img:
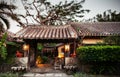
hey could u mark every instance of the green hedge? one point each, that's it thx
(99, 53)
(101, 59)
(9, 75)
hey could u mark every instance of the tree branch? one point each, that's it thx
(14, 17)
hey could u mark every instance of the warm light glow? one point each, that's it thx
(67, 47)
(60, 55)
(25, 47)
(92, 41)
(38, 61)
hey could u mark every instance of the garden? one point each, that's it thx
(102, 60)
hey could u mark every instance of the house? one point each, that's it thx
(93, 33)
(70, 35)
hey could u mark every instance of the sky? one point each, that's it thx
(96, 6)
(99, 6)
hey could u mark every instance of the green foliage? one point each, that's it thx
(6, 10)
(112, 40)
(79, 74)
(11, 43)
(108, 16)
(102, 59)
(45, 59)
(8, 75)
(7, 46)
(3, 50)
(105, 68)
(11, 50)
(99, 53)
(42, 59)
(39, 47)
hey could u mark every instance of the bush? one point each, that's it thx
(80, 75)
(102, 59)
(10, 58)
(45, 59)
(8, 75)
(99, 53)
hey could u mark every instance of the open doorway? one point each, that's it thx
(46, 53)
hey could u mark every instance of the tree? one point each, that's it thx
(3, 50)
(6, 11)
(3, 45)
(46, 13)
(108, 16)
(112, 40)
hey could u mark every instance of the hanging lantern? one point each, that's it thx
(25, 47)
(67, 47)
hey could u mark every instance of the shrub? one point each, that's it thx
(102, 59)
(99, 53)
(8, 75)
(45, 59)
(80, 75)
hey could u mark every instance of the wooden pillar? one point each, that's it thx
(74, 53)
(26, 48)
(32, 51)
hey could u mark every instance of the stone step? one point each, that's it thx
(46, 75)
(45, 70)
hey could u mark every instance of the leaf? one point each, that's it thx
(4, 37)
(11, 43)
(39, 47)
(3, 52)
(5, 21)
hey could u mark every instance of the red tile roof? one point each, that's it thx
(97, 28)
(69, 31)
(47, 32)
(10, 34)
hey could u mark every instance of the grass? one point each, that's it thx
(88, 75)
(8, 74)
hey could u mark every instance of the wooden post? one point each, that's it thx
(26, 48)
(28, 59)
(33, 52)
(74, 53)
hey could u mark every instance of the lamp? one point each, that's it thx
(67, 47)
(25, 47)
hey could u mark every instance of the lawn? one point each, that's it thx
(89, 75)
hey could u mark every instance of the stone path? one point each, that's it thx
(45, 71)
(46, 75)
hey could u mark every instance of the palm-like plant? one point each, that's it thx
(6, 10)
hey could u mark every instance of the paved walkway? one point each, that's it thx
(45, 71)
(46, 75)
